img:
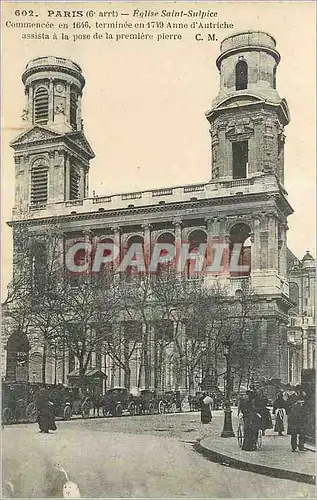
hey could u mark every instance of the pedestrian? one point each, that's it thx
(297, 417)
(205, 411)
(45, 412)
(251, 421)
(261, 407)
(279, 410)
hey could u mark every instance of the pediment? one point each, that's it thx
(79, 139)
(34, 135)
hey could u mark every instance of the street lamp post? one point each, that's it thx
(227, 430)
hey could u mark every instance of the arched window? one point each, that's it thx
(240, 250)
(39, 184)
(196, 267)
(165, 239)
(241, 75)
(136, 250)
(41, 106)
(73, 110)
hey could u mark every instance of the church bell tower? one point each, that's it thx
(248, 116)
(52, 155)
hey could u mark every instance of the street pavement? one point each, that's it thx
(139, 457)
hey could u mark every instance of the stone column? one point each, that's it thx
(222, 237)
(147, 243)
(66, 164)
(51, 100)
(26, 189)
(88, 236)
(304, 348)
(86, 191)
(209, 251)
(283, 250)
(117, 243)
(178, 244)
(30, 104)
(272, 243)
(67, 111)
(78, 119)
(223, 160)
(256, 248)
(310, 361)
(52, 188)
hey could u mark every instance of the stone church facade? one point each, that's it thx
(245, 201)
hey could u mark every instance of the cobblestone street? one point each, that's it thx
(148, 456)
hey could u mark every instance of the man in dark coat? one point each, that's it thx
(297, 415)
(45, 412)
(279, 410)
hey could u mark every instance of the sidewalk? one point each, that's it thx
(274, 459)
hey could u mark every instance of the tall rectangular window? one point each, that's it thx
(240, 159)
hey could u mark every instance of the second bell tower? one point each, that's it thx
(248, 116)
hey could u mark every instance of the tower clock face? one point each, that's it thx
(59, 87)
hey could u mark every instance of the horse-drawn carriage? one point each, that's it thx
(148, 402)
(170, 402)
(116, 401)
(18, 402)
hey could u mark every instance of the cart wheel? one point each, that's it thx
(260, 440)
(132, 408)
(151, 408)
(31, 414)
(85, 410)
(118, 410)
(67, 413)
(173, 408)
(7, 416)
(161, 407)
(105, 411)
(240, 434)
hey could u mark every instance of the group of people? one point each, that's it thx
(257, 416)
(295, 407)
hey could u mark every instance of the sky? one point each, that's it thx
(144, 103)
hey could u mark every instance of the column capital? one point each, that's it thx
(210, 220)
(51, 154)
(146, 226)
(116, 229)
(88, 232)
(270, 213)
(177, 222)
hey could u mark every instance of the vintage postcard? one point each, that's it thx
(158, 249)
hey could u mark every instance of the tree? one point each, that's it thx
(90, 304)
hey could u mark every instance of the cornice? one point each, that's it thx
(145, 210)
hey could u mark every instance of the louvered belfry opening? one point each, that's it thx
(73, 110)
(74, 183)
(39, 178)
(41, 106)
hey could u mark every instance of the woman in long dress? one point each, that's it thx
(205, 409)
